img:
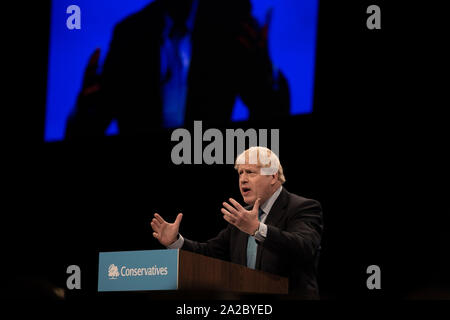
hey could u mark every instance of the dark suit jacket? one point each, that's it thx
(220, 70)
(291, 249)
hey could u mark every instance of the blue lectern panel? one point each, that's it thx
(138, 270)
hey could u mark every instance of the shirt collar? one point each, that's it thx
(267, 206)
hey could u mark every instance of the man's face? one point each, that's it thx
(253, 185)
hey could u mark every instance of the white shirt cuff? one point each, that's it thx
(261, 234)
(177, 244)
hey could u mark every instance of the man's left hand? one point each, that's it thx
(245, 220)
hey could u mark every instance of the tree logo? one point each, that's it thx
(113, 272)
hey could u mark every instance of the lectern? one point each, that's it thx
(157, 270)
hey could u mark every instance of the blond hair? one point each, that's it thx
(264, 158)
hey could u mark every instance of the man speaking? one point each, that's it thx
(278, 232)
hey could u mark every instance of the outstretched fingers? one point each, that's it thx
(257, 204)
(156, 226)
(159, 218)
(230, 209)
(228, 216)
(237, 205)
(178, 219)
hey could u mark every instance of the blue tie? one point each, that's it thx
(252, 247)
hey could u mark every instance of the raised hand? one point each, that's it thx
(165, 232)
(91, 78)
(86, 119)
(252, 36)
(245, 220)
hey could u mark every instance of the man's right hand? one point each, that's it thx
(91, 79)
(165, 232)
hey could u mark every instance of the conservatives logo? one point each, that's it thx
(113, 271)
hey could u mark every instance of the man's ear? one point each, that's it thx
(274, 179)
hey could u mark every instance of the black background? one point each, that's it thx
(369, 153)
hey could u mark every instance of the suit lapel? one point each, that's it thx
(243, 241)
(276, 213)
(273, 218)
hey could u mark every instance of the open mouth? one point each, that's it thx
(245, 190)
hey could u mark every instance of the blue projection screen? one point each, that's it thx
(292, 47)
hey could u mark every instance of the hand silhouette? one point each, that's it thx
(91, 78)
(253, 44)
